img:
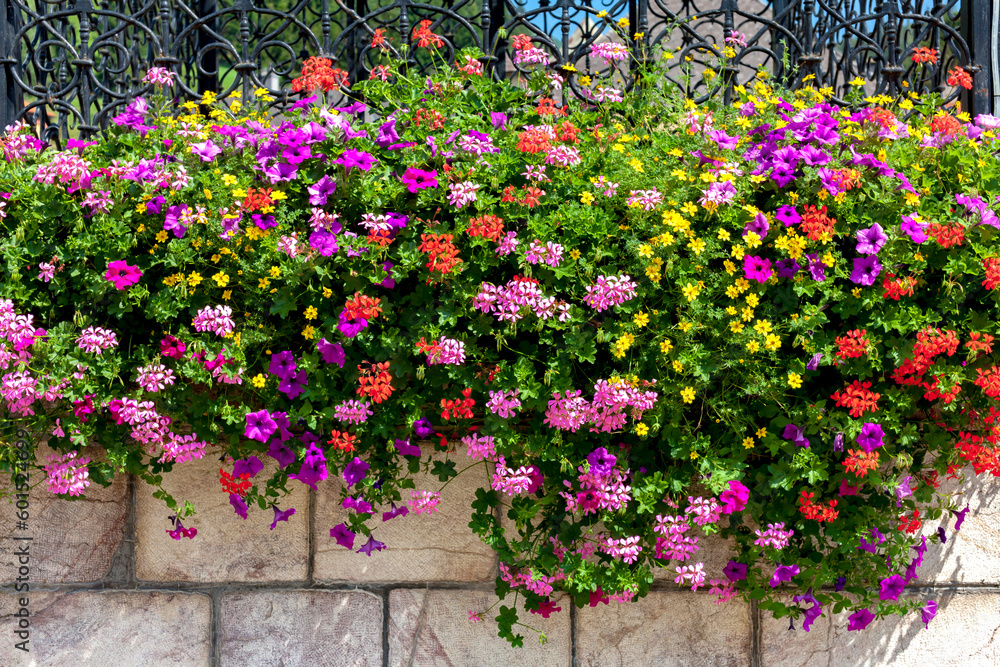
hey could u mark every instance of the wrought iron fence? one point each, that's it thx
(68, 66)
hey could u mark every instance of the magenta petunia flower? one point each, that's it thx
(313, 468)
(350, 327)
(735, 571)
(371, 545)
(891, 588)
(282, 365)
(796, 435)
(866, 270)
(122, 275)
(281, 515)
(787, 215)
(322, 189)
(238, 504)
(870, 437)
(961, 518)
(783, 573)
(344, 537)
(332, 353)
(352, 158)
(281, 453)
(758, 226)
(251, 466)
(757, 268)
(734, 498)
(871, 240)
(913, 228)
(860, 619)
(260, 426)
(292, 385)
(206, 150)
(355, 471)
(406, 449)
(812, 613)
(417, 179)
(928, 612)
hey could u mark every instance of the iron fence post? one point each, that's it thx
(11, 100)
(208, 80)
(980, 34)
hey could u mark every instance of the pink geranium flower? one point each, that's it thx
(122, 275)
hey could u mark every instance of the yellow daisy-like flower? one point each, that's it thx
(645, 250)
(723, 234)
(762, 327)
(794, 380)
(736, 326)
(587, 197)
(762, 432)
(730, 268)
(221, 279)
(227, 295)
(327, 292)
(640, 319)
(259, 381)
(574, 254)
(753, 347)
(666, 345)
(194, 279)
(309, 332)
(691, 291)
(678, 367)
(748, 443)
(697, 245)
(772, 342)
(641, 430)
(228, 179)
(687, 394)
(275, 271)
(215, 258)
(685, 326)
(264, 283)
(161, 236)
(311, 313)
(856, 291)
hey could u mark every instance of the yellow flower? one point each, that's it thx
(736, 326)
(857, 81)
(763, 327)
(311, 313)
(208, 193)
(194, 279)
(666, 346)
(641, 430)
(228, 179)
(309, 332)
(828, 259)
(621, 345)
(584, 80)
(747, 314)
(259, 381)
(685, 326)
(623, 22)
(215, 258)
(327, 292)
(574, 254)
(697, 245)
(687, 394)
(278, 195)
(641, 319)
(737, 252)
(264, 283)
(752, 240)
(678, 367)
(636, 164)
(772, 342)
(694, 455)
(723, 234)
(761, 432)
(691, 291)
(856, 292)
(645, 250)
(227, 295)
(730, 268)
(275, 271)
(221, 279)
(753, 347)
(752, 301)
(748, 443)
(731, 310)
(587, 197)
(601, 14)
(794, 380)
(161, 236)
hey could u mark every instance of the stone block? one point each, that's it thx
(307, 627)
(964, 633)
(72, 540)
(110, 629)
(972, 555)
(664, 629)
(227, 548)
(431, 627)
(438, 546)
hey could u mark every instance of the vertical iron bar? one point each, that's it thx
(208, 65)
(778, 38)
(976, 21)
(11, 100)
(497, 43)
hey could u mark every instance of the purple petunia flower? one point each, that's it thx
(423, 428)
(281, 453)
(206, 150)
(292, 385)
(260, 426)
(389, 282)
(498, 119)
(840, 584)
(891, 588)
(735, 571)
(332, 353)
(817, 269)
(796, 435)
(860, 619)
(601, 462)
(324, 242)
(871, 240)
(355, 471)
(812, 613)
(866, 270)
(344, 537)
(928, 612)
(251, 466)
(394, 512)
(406, 449)
(417, 179)
(838, 442)
(813, 363)
(238, 504)
(783, 573)
(735, 497)
(352, 158)
(758, 226)
(173, 222)
(961, 518)
(870, 437)
(913, 228)
(281, 515)
(350, 327)
(282, 365)
(787, 268)
(359, 505)
(313, 468)
(322, 189)
(941, 535)
(371, 545)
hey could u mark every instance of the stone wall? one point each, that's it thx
(110, 587)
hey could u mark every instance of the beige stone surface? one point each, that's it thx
(227, 547)
(972, 555)
(110, 629)
(665, 629)
(307, 627)
(431, 627)
(964, 633)
(438, 546)
(72, 540)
